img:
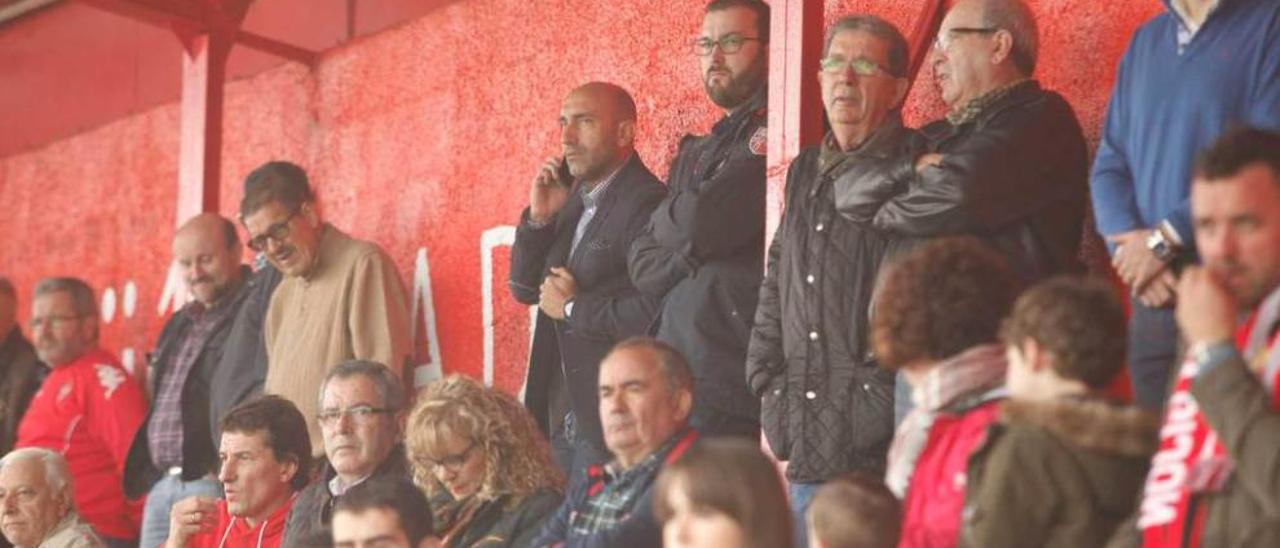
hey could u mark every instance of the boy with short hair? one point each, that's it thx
(855, 510)
(1063, 466)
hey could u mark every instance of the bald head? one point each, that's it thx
(206, 251)
(597, 129)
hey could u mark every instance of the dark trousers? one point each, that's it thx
(1153, 354)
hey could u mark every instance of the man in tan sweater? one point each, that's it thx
(341, 298)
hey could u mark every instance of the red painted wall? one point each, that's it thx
(425, 136)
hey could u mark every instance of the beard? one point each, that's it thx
(739, 88)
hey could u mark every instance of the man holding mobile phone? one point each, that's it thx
(570, 259)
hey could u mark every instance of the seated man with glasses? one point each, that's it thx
(89, 409)
(362, 411)
(341, 298)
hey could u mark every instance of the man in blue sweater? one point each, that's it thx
(1188, 75)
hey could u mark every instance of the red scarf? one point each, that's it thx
(1191, 460)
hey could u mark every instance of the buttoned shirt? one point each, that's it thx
(164, 432)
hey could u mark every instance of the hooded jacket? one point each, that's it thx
(1063, 473)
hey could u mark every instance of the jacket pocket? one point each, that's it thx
(773, 417)
(871, 409)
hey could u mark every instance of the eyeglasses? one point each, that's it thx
(276, 232)
(451, 463)
(943, 41)
(359, 413)
(731, 43)
(860, 65)
(52, 320)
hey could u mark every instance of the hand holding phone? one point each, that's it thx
(549, 191)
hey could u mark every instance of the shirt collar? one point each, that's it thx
(1179, 9)
(591, 197)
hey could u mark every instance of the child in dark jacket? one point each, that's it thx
(1063, 466)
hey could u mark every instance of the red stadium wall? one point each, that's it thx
(423, 138)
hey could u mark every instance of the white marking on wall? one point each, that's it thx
(424, 309)
(174, 295)
(108, 305)
(503, 235)
(130, 301)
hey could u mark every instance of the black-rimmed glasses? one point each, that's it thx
(731, 43)
(276, 232)
(943, 41)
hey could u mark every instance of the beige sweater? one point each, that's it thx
(352, 305)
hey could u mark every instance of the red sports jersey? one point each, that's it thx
(89, 410)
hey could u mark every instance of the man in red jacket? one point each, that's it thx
(266, 459)
(88, 409)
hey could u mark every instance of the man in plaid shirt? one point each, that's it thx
(646, 392)
(172, 456)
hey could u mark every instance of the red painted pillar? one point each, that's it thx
(204, 64)
(795, 102)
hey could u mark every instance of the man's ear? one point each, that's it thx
(627, 133)
(684, 404)
(900, 89)
(310, 213)
(1034, 355)
(290, 470)
(1003, 46)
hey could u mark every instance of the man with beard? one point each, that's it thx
(704, 246)
(826, 408)
(341, 298)
(173, 456)
(1215, 480)
(88, 409)
(570, 259)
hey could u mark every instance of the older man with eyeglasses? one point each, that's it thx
(88, 409)
(1008, 163)
(341, 298)
(362, 415)
(825, 406)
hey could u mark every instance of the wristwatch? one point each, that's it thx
(1160, 246)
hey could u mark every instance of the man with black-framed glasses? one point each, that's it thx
(362, 414)
(703, 248)
(341, 298)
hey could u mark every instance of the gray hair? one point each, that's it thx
(82, 299)
(1015, 17)
(674, 367)
(899, 51)
(56, 473)
(385, 381)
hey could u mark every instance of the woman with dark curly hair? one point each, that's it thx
(937, 320)
(476, 452)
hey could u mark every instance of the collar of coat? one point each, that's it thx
(989, 101)
(1090, 423)
(882, 142)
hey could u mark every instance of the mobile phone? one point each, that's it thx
(562, 173)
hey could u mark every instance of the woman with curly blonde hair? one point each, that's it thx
(478, 455)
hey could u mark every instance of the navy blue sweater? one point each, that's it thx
(1167, 106)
